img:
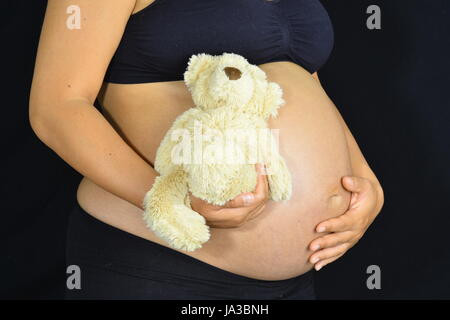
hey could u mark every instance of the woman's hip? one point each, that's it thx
(115, 264)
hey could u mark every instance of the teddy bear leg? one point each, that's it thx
(166, 213)
(279, 178)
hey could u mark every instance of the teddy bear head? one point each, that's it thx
(229, 80)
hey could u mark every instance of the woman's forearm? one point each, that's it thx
(83, 138)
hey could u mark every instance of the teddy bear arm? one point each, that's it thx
(166, 213)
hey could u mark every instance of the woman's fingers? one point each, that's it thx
(324, 262)
(348, 228)
(329, 253)
(246, 199)
(232, 217)
(250, 199)
(255, 213)
(355, 184)
(204, 204)
(239, 218)
(338, 224)
(244, 207)
(331, 240)
(262, 185)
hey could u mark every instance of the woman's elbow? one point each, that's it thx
(45, 116)
(38, 119)
(380, 196)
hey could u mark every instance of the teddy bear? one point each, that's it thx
(211, 149)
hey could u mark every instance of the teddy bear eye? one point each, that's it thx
(232, 73)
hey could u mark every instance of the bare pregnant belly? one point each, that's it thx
(273, 246)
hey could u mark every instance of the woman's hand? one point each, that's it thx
(346, 230)
(242, 208)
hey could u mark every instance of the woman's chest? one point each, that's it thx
(159, 39)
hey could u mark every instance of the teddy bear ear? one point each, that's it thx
(197, 63)
(273, 100)
(257, 73)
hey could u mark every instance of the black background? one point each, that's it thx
(391, 86)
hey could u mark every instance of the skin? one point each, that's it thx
(367, 200)
(114, 151)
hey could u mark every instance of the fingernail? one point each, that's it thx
(318, 268)
(248, 198)
(264, 169)
(261, 169)
(351, 181)
(314, 260)
(321, 229)
(315, 247)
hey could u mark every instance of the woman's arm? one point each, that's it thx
(69, 71)
(366, 202)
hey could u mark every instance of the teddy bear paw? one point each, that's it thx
(184, 229)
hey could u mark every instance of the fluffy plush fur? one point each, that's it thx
(210, 149)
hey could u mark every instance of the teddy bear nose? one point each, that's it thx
(232, 73)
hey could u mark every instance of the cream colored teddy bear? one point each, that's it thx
(211, 149)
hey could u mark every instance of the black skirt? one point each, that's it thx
(114, 264)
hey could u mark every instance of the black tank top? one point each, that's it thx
(159, 39)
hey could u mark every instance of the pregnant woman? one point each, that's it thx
(131, 55)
